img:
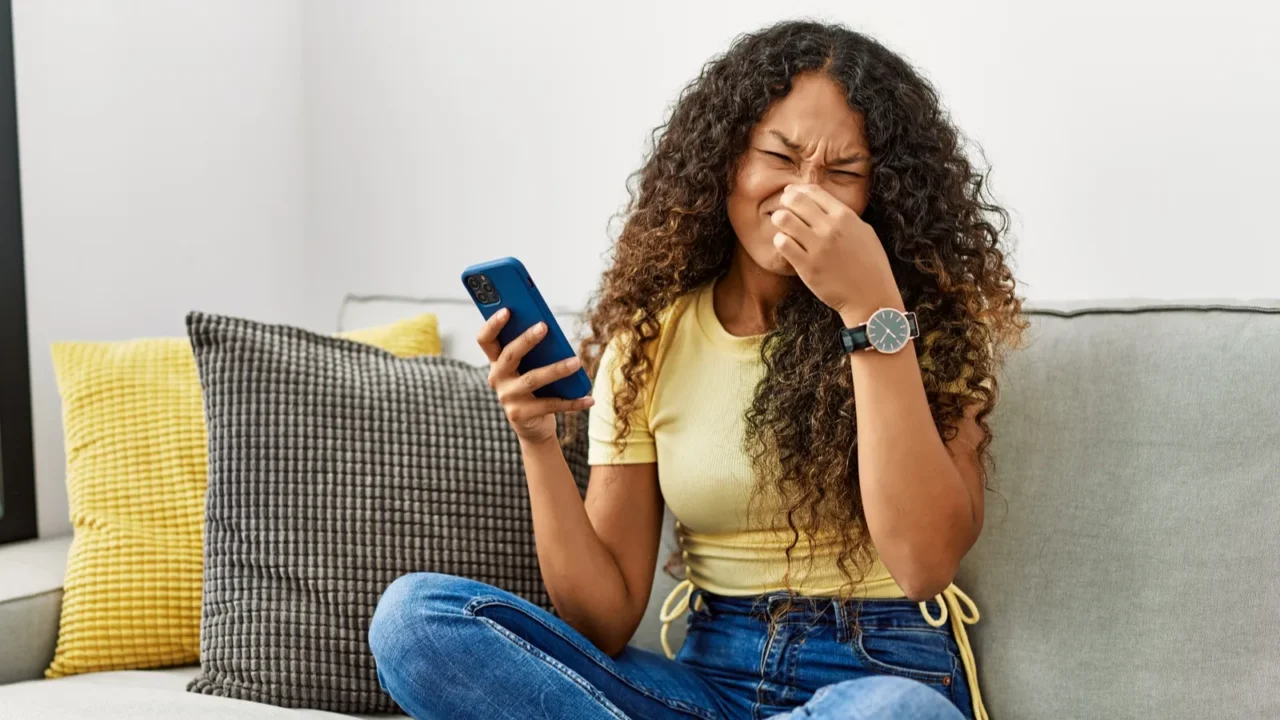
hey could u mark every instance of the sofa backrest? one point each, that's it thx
(1130, 562)
(1131, 553)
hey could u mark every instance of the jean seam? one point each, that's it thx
(481, 602)
(957, 675)
(794, 645)
(565, 670)
(935, 678)
(840, 619)
(907, 628)
(764, 668)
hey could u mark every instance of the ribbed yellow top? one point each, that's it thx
(690, 421)
(691, 424)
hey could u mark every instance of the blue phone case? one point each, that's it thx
(517, 293)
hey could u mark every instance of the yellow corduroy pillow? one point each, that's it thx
(137, 457)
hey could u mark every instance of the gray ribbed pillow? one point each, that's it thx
(334, 468)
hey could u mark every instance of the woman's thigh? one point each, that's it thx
(451, 647)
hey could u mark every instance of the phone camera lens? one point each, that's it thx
(483, 290)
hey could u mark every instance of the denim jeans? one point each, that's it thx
(456, 649)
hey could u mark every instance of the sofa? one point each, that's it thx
(1128, 568)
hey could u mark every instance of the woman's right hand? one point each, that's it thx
(533, 418)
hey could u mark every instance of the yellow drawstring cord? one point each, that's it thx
(962, 611)
(669, 614)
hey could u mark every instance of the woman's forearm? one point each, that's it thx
(582, 577)
(919, 511)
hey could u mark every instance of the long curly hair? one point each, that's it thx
(943, 233)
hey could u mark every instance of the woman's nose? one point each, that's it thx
(810, 173)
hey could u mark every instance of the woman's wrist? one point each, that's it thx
(540, 445)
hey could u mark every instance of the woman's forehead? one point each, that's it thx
(814, 112)
(802, 134)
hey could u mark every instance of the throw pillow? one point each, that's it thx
(334, 468)
(136, 468)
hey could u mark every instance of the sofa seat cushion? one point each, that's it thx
(136, 695)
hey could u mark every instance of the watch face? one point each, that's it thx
(888, 330)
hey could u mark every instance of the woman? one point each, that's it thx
(826, 483)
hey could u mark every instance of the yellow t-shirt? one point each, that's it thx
(690, 421)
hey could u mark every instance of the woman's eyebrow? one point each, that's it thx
(855, 158)
(794, 146)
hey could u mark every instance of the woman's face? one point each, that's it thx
(809, 136)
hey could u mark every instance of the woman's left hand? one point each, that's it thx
(837, 255)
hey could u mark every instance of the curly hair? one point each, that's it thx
(930, 208)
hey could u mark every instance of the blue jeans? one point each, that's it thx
(455, 649)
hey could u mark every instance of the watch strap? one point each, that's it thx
(855, 338)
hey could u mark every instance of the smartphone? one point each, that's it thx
(505, 283)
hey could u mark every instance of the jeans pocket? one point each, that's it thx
(917, 654)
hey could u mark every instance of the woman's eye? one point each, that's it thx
(846, 173)
(780, 156)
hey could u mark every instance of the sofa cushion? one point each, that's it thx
(137, 695)
(30, 601)
(136, 466)
(334, 468)
(1131, 555)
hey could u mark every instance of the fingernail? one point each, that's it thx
(503, 313)
(542, 327)
(588, 402)
(572, 363)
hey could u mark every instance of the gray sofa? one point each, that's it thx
(1128, 569)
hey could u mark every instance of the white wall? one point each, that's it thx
(263, 158)
(162, 171)
(1135, 140)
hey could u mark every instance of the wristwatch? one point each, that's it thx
(888, 331)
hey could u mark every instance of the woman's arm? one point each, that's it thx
(598, 556)
(923, 500)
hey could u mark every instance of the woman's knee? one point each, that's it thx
(881, 697)
(409, 610)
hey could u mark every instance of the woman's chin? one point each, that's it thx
(766, 258)
(780, 266)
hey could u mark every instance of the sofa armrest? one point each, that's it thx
(31, 576)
